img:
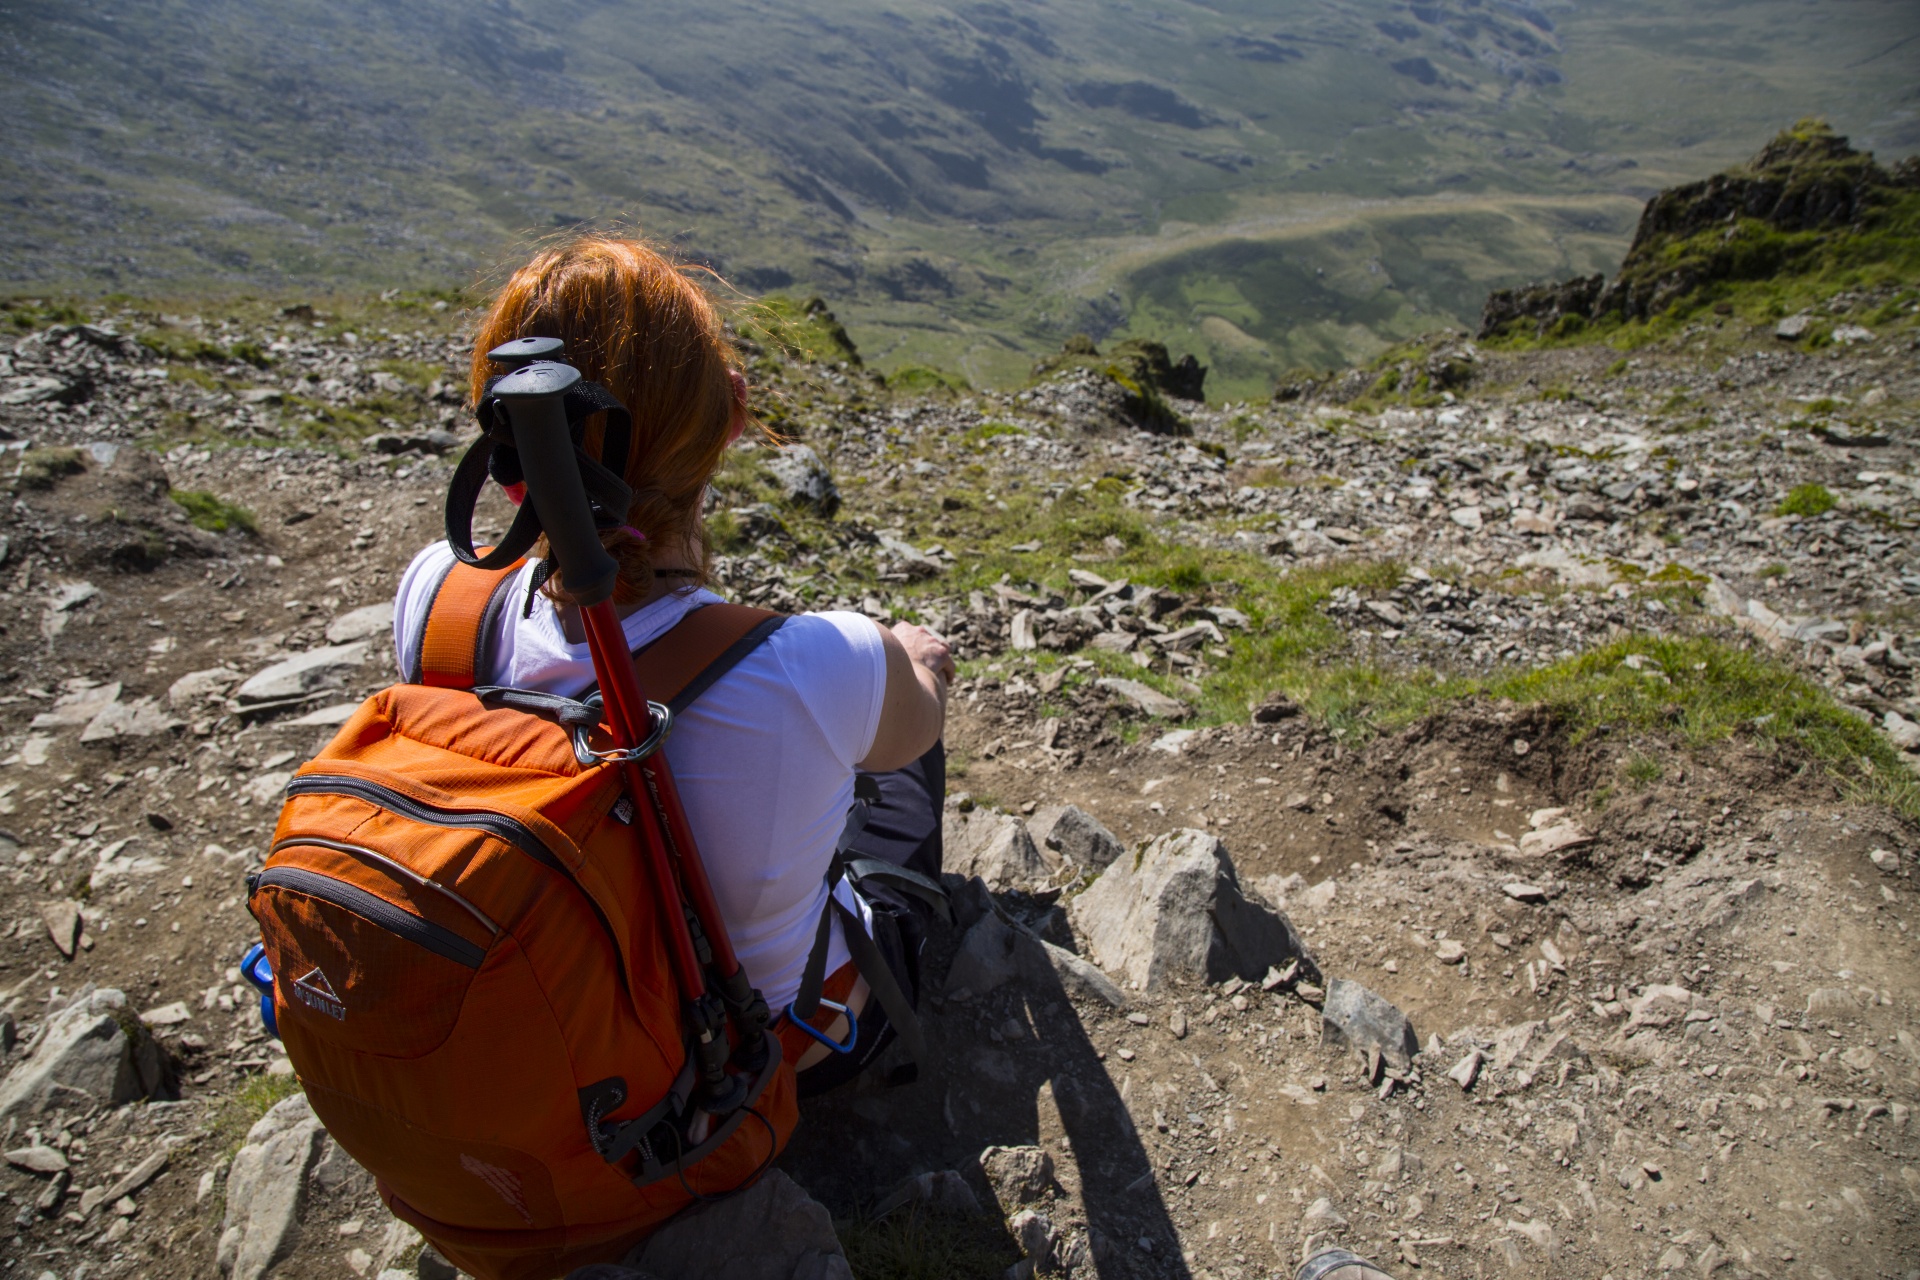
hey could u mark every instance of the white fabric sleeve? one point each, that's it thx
(415, 597)
(838, 665)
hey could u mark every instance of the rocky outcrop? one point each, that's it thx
(1175, 910)
(1728, 227)
(266, 1189)
(993, 845)
(93, 1053)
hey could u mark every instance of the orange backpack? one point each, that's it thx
(472, 980)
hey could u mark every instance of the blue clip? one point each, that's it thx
(853, 1027)
(258, 971)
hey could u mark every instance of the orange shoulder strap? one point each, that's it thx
(453, 638)
(703, 646)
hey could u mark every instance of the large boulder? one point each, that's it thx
(1075, 835)
(771, 1231)
(995, 846)
(1175, 910)
(266, 1189)
(93, 1053)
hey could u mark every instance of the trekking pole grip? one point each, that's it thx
(534, 399)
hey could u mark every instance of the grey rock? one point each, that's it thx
(994, 846)
(41, 389)
(1357, 1018)
(142, 718)
(803, 479)
(1079, 977)
(772, 1231)
(1075, 835)
(38, 1159)
(266, 1190)
(63, 924)
(336, 1173)
(989, 956)
(1150, 700)
(993, 953)
(1018, 1175)
(78, 707)
(1176, 910)
(1036, 1235)
(1793, 328)
(363, 623)
(91, 1053)
(199, 686)
(296, 676)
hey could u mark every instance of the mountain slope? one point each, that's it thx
(968, 182)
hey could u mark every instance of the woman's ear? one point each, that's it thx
(737, 423)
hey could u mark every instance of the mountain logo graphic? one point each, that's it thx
(313, 990)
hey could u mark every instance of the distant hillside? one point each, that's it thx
(1266, 183)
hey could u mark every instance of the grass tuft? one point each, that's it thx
(916, 1244)
(241, 1112)
(213, 513)
(1806, 500)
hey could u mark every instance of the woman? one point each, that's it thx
(765, 758)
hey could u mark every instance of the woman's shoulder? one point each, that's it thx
(830, 634)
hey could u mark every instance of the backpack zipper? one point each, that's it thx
(497, 825)
(398, 869)
(371, 907)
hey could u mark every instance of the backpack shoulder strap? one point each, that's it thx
(684, 663)
(453, 636)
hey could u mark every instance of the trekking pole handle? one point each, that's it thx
(533, 396)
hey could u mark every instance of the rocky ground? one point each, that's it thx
(1559, 994)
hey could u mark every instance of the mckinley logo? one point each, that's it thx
(314, 991)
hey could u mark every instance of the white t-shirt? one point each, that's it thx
(764, 758)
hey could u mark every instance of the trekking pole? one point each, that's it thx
(533, 396)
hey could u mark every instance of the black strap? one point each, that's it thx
(568, 711)
(879, 975)
(902, 880)
(806, 1001)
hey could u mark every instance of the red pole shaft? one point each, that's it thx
(609, 661)
(627, 703)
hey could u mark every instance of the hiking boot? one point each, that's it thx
(1338, 1264)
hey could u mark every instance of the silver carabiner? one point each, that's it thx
(661, 716)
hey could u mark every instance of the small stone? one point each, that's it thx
(1886, 860)
(1521, 892)
(1360, 1019)
(63, 925)
(1177, 1023)
(1018, 1175)
(1467, 1070)
(1793, 328)
(38, 1159)
(1449, 951)
(1150, 700)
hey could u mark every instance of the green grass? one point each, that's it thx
(1806, 500)
(259, 1095)
(213, 513)
(1712, 691)
(45, 468)
(915, 1244)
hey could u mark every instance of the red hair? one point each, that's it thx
(638, 325)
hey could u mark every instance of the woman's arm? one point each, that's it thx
(919, 665)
